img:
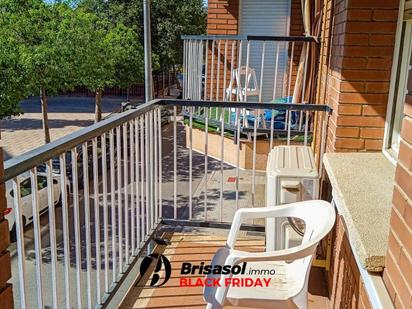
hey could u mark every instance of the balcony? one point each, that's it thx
(115, 191)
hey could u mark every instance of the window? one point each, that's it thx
(399, 89)
(25, 186)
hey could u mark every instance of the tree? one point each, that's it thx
(128, 56)
(170, 20)
(12, 77)
(47, 42)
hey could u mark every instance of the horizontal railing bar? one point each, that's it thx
(230, 127)
(251, 38)
(211, 224)
(24, 162)
(250, 105)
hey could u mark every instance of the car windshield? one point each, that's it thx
(25, 186)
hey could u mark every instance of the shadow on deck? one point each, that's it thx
(200, 247)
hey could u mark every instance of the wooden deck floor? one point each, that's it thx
(196, 248)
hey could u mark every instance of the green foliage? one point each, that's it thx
(169, 20)
(127, 54)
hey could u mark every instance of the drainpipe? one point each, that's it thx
(148, 79)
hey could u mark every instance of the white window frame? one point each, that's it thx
(398, 87)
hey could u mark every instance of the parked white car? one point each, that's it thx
(26, 199)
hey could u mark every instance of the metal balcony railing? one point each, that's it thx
(117, 181)
(251, 69)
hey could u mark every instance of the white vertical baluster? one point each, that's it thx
(206, 161)
(217, 75)
(160, 164)
(52, 229)
(142, 180)
(87, 223)
(77, 227)
(112, 205)
(237, 156)
(21, 256)
(272, 118)
(126, 192)
(37, 236)
(151, 182)
(65, 223)
(97, 217)
(212, 71)
(119, 197)
(105, 214)
(288, 121)
(222, 158)
(190, 162)
(174, 162)
(155, 163)
(137, 162)
(132, 187)
(147, 165)
(206, 68)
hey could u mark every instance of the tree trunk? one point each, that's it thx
(98, 106)
(43, 99)
(127, 93)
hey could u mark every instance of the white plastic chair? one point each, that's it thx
(289, 286)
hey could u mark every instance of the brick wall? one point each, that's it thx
(222, 17)
(6, 294)
(346, 288)
(358, 72)
(398, 271)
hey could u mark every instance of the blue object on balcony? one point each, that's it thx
(279, 116)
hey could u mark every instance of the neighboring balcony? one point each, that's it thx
(115, 191)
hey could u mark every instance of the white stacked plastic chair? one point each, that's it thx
(242, 92)
(289, 285)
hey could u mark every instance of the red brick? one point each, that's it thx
(385, 15)
(5, 266)
(376, 133)
(406, 132)
(4, 235)
(217, 21)
(373, 144)
(352, 86)
(350, 143)
(366, 51)
(359, 75)
(354, 63)
(360, 15)
(379, 63)
(374, 110)
(363, 98)
(404, 180)
(6, 298)
(382, 39)
(370, 27)
(361, 121)
(394, 245)
(372, 4)
(405, 155)
(377, 87)
(408, 106)
(349, 109)
(347, 132)
(402, 290)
